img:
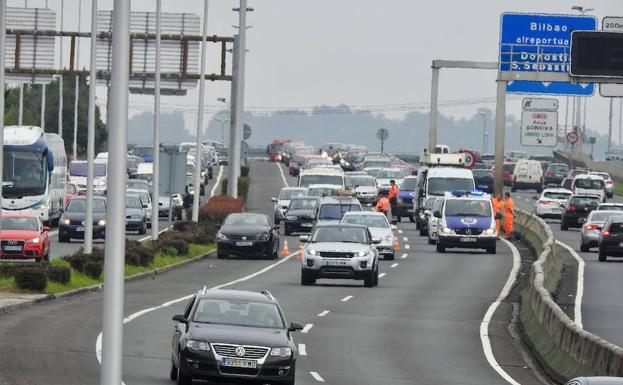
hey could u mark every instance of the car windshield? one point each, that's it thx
(390, 174)
(409, 184)
(439, 186)
(238, 313)
(319, 191)
(374, 221)
(80, 206)
(559, 168)
(468, 208)
(335, 211)
(133, 202)
(307, 180)
(377, 163)
(340, 234)
(355, 156)
(80, 169)
(616, 227)
(556, 195)
(286, 195)
(585, 201)
(357, 181)
(482, 174)
(303, 204)
(589, 184)
(246, 220)
(30, 224)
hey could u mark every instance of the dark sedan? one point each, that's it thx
(231, 335)
(611, 238)
(301, 215)
(72, 222)
(554, 174)
(577, 209)
(248, 235)
(483, 179)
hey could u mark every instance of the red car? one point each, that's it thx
(23, 236)
(70, 192)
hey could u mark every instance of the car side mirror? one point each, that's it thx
(295, 326)
(394, 221)
(376, 240)
(45, 229)
(180, 318)
(498, 215)
(304, 238)
(273, 199)
(437, 214)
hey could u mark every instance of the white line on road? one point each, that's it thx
(394, 265)
(316, 376)
(218, 181)
(302, 350)
(347, 298)
(307, 328)
(579, 291)
(404, 256)
(323, 313)
(399, 231)
(484, 325)
(283, 176)
(381, 275)
(407, 247)
(405, 239)
(159, 232)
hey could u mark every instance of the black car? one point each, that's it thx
(577, 209)
(231, 335)
(301, 215)
(611, 238)
(554, 174)
(72, 222)
(483, 179)
(248, 235)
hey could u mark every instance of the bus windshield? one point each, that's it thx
(439, 186)
(25, 173)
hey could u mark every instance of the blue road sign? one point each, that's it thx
(541, 43)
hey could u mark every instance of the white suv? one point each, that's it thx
(585, 184)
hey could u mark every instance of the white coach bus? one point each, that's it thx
(34, 172)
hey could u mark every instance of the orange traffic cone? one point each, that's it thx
(299, 253)
(396, 245)
(285, 250)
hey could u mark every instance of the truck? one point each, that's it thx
(34, 173)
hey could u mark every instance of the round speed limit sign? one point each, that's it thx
(572, 137)
(469, 159)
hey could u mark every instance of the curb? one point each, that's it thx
(97, 287)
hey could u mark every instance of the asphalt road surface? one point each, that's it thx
(421, 325)
(602, 302)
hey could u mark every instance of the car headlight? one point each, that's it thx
(281, 352)
(101, 222)
(221, 237)
(291, 217)
(34, 240)
(264, 236)
(389, 239)
(447, 230)
(363, 253)
(489, 232)
(66, 221)
(42, 206)
(198, 345)
(312, 252)
(99, 183)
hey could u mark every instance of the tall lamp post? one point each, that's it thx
(223, 121)
(484, 132)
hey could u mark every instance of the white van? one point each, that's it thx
(585, 184)
(528, 175)
(440, 180)
(78, 175)
(326, 176)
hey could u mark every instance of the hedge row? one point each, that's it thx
(243, 186)
(35, 276)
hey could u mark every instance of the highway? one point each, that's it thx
(602, 304)
(421, 325)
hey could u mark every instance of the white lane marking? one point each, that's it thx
(405, 239)
(399, 231)
(394, 265)
(347, 298)
(98, 341)
(302, 350)
(316, 376)
(484, 325)
(159, 232)
(323, 313)
(381, 275)
(283, 176)
(579, 292)
(307, 328)
(218, 181)
(407, 247)
(404, 256)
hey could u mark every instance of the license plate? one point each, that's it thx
(244, 243)
(12, 248)
(80, 228)
(467, 239)
(581, 220)
(336, 262)
(306, 224)
(237, 363)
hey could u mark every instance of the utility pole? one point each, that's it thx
(20, 113)
(88, 226)
(156, 156)
(484, 132)
(500, 136)
(112, 330)
(2, 66)
(434, 97)
(42, 124)
(197, 190)
(610, 124)
(77, 85)
(232, 188)
(620, 120)
(566, 115)
(60, 78)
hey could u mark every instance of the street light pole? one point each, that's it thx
(88, 232)
(156, 156)
(2, 65)
(484, 132)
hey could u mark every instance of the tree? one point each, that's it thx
(32, 112)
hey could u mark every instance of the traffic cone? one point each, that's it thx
(396, 245)
(285, 250)
(299, 253)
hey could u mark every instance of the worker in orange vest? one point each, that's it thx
(498, 207)
(509, 214)
(393, 197)
(383, 205)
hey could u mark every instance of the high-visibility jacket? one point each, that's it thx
(383, 205)
(509, 207)
(393, 192)
(498, 205)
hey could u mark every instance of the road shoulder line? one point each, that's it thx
(579, 289)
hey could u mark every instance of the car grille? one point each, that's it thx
(12, 244)
(333, 254)
(240, 237)
(77, 222)
(250, 352)
(468, 231)
(239, 371)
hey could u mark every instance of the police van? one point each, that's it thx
(466, 221)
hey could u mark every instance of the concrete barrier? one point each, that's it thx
(562, 348)
(612, 167)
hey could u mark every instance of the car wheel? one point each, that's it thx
(276, 220)
(183, 378)
(368, 281)
(423, 232)
(307, 278)
(431, 241)
(440, 248)
(602, 256)
(376, 276)
(411, 219)
(173, 372)
(221, 256)
(63, 238)
(584, 248)
(417, 225)
(539, 189)
(513, 187)
(286, 230)
(143, 229)
(491, 250)
(564, 226)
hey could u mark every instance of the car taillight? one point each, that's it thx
(549, 173)
(592, 227)
(605, 233)
(570, 208)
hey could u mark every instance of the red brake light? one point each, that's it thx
(605, 233)
(549, 173)
(592, 227)
(571, 208)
